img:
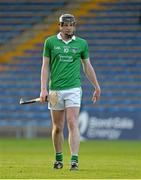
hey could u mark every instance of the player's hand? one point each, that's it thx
(96, 95)
(43, 95)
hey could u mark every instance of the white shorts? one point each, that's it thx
(67, 98)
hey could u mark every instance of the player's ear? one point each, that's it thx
(60, 24)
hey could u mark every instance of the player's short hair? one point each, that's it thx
(67, 18)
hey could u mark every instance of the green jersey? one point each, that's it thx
(65, 61)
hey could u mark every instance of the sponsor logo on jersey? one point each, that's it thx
(66, 58)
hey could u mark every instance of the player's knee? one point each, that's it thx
(72, 124)
(57, 129)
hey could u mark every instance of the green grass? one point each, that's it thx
(33, 159)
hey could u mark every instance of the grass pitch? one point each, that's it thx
(33, 159)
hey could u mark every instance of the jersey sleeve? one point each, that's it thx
(46, 49)
(85, 52)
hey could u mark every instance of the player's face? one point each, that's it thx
(67, 28)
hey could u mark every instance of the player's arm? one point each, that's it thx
(44, 78)
(91, 75)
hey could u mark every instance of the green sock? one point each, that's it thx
(59, 156)
(74, 158)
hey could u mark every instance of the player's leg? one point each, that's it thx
(58, 119)
(72, 104)
(74, 137)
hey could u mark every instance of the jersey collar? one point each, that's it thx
(66, 42)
